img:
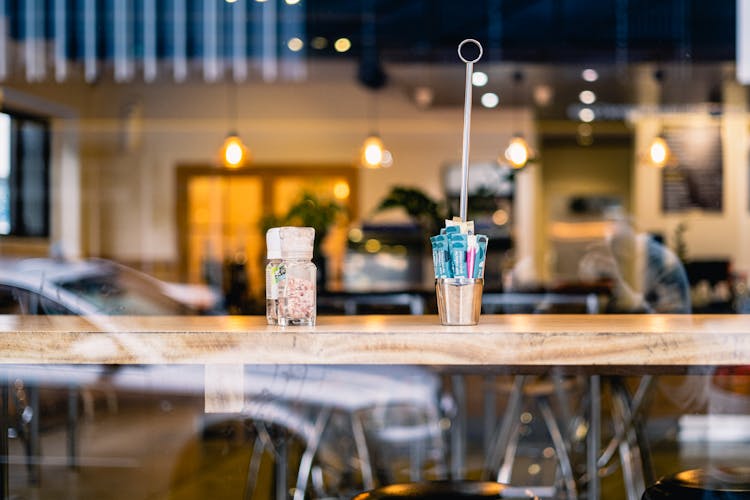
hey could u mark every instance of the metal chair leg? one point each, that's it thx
(360, 442)
(502, 438)
(281, 471)
(593, 437)
(253, 468)
(458, 429)
(636, 406)
(72, 423)
(488, 389)
(505, 470)
(566, 469)
(630, 452)
(33, 443)
(4, 426)
(305, 466)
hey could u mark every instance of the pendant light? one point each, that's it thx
(518, 152)
(659, 154)
(371, 75)
(372, 153)
(233, 154)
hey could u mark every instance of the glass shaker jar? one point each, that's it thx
(297, 293)
(274, 275)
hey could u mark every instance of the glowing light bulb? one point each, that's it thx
(373, 155)
(356, 234)
(587, 97)
(490, 100)
(234, 152)
(342, 45)
(372, 152)
(586, 115)
(517, 152)
(295, 44)
(659, 152)
(341, 190)
(500, 217)
(479, 79)
(590, 75)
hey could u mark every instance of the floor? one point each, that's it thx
(147, 446)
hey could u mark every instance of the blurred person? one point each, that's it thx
(647, 277)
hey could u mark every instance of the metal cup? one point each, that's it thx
(459, 300)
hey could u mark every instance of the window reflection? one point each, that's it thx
(113, 112)
(24, 176)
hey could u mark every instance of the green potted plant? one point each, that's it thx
(425, 211)
(311, 211)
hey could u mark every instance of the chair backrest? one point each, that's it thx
(535, 303)
(372, 303)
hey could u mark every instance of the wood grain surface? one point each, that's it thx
(498, 340)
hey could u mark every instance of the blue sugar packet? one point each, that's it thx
(482, 241)
(457, 243)
(439, 255)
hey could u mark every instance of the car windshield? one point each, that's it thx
(117, 291)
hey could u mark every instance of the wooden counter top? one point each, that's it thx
(504, 340)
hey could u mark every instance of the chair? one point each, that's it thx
(627, 442)
(443, 490)
(504, 446)
(382, 409)
(732, 483)
(533, 392)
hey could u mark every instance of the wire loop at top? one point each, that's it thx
(460, 46)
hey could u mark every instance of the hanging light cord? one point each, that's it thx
(232, 105)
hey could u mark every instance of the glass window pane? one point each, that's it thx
(33, 179)
(4, 173)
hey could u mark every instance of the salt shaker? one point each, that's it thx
(297, 294)
(275, 273)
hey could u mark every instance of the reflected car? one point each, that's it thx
(319, 410)
(95, 287)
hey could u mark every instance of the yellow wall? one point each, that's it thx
(603, 168)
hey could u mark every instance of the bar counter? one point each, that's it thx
(638, 342)
(226, 345)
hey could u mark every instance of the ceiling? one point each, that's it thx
(528, 44)
(536, 47)
(538, 31)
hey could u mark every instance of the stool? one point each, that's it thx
(378, 409)
(502, 453)
(444, 490)
(730, 483)
(627, 440)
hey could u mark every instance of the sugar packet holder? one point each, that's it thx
(459, 255)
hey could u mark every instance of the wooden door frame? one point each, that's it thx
(185, 172)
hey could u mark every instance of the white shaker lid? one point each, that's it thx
(297, 242)
(273, 243)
